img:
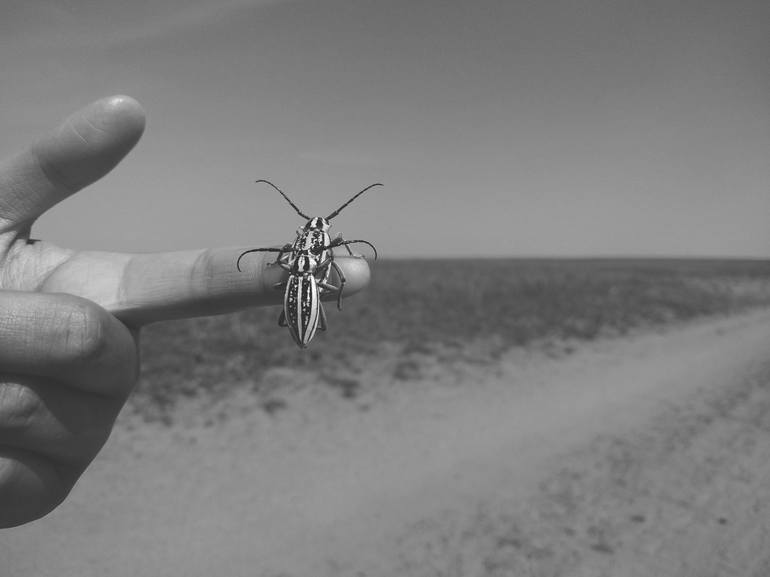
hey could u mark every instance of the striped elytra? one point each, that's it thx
(301, 305)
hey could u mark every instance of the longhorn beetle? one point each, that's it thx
(309, 260)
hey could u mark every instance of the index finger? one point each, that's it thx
(143, 288)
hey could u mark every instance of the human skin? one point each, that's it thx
(70, 320)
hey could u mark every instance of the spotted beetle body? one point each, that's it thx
(302, 308)
(309, 261)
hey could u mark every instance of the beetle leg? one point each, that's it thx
(321, 318)
(339, 241)
(324, 269)
(282, 319)
(285, 255)
(281, 251)
(238, 262)
(324, 283)
(322, 272)
(343, 280)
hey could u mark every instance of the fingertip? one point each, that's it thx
(117, 121)
(123, 112)
(357, 273)
(92, 141)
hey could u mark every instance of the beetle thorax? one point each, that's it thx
(304, 264)
(311, 240)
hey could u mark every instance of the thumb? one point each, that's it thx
(85, 147)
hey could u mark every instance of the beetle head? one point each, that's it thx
(317, 223)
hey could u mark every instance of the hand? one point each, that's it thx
(69, 320)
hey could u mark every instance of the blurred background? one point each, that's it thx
(499, 128)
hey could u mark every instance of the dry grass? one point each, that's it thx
(468, 310)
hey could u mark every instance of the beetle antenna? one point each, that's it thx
(355, 196)
(294, 206)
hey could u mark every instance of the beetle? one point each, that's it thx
(302, 311)
(309, 261)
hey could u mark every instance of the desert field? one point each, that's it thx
(460, 418)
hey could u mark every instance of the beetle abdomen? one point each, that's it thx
(301, 304)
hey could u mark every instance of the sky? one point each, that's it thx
(498, 127)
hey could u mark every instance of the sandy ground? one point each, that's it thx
(647, 455)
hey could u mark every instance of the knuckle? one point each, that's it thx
(94, 347)
(81, 331)
(19, 406)
(67, 425)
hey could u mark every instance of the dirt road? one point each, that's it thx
(648, 455)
